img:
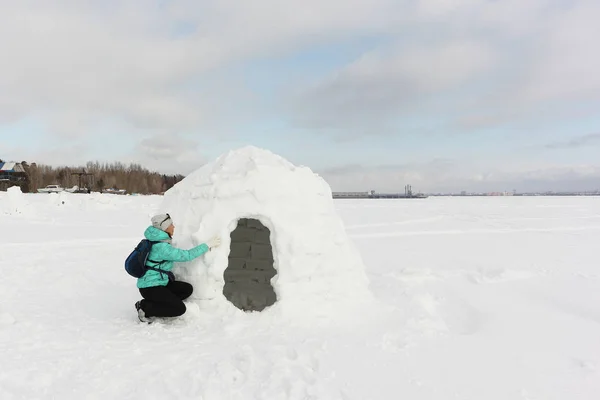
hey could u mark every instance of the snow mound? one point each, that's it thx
(77, 201)
(104, 201)
(61, 199)
(15, 203)
(284, 209)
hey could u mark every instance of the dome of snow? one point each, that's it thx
(283, 245)
(15, 203)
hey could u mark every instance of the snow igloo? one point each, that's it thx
(283, 246)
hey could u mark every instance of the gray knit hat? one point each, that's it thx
(162, 221)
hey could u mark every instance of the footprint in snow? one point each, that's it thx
(461, 317)
(6, 319)
(413, 275)
(236, 370)
(296, 374)
(394, 342)
(586, 367)
(496, 275)
(452, 315)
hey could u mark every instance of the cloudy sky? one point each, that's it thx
(372, 94)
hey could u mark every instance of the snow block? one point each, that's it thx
(283, 245)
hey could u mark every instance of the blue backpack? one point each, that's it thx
(135, 264)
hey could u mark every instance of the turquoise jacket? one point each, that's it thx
(163, 251)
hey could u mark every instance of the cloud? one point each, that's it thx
(432, 175)
(580, 141)
(139, 62)
(169, 153)
(390, 82)
(167, 65)
(565, 66)
(67, 154)
(474, 64)
(176, 69)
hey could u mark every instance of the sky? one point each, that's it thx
(445, 95)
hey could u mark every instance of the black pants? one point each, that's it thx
(166, 301)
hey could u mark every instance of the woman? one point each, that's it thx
(163, 295)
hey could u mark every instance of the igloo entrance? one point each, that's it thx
(250, 267)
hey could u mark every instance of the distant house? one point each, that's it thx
(11, 174)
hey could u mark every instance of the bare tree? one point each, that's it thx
(134, 178)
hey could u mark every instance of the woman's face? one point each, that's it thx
(171, 229)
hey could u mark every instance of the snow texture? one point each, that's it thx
(318, 267)
(481, 298)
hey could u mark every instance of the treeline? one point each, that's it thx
(97, 176)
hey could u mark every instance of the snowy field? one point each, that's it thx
(482, 299)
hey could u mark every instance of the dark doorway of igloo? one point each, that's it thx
(250, 269)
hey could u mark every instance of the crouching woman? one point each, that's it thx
(162, 294)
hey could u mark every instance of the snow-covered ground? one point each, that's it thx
(482, 298)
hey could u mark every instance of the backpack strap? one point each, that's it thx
(169, 274)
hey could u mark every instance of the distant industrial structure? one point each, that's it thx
(408, 194)
(85, 181)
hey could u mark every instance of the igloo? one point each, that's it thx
(283, 245)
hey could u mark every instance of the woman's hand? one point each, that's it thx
(214, 242)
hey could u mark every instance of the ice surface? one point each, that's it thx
(487, 298)
(318, 266)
